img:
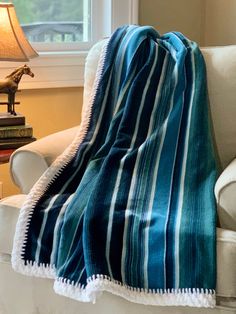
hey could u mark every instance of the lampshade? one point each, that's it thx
(14, 46)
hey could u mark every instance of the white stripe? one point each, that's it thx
(55, 232)
(173, 52)
(169, 201)
(181, 190)
(133, 181)
(39, 240)
(124, 90)
(82, 271)
(74, 236)
(152, 194)
(128, 38)
(111, 213)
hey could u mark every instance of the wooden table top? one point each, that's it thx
(5, 155)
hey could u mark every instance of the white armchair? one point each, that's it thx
(33, 295)
(38, 157)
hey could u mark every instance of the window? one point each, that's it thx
(60, 24)
(53, 21)
(63, 31)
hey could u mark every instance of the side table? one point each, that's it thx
(5, 155)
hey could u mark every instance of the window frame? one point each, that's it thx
(56, 67)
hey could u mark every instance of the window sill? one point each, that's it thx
(51, 70)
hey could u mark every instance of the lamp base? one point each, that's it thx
(8, 119)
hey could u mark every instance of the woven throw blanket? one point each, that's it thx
(128, 207)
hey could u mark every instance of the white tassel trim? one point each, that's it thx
(45, 181)
(30, 268)
(170, 297)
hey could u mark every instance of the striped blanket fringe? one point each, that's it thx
(129, 206)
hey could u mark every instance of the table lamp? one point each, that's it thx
(14, 46)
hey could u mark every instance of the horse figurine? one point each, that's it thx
(9, 85)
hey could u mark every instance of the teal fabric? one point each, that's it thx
(136, 203)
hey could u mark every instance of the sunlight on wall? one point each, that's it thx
(187, 17)
(48, 111)
(208, 22)
(220, 22)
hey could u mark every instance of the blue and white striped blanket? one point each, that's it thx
(129, 208)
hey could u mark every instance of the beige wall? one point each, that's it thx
(208, 22)
(48, 111)
(220, 26)
(186, 16)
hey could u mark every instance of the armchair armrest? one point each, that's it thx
(29, 162)
(225, 192)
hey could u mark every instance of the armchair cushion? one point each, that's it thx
(9, 212)
(226, 245)
(226, 261)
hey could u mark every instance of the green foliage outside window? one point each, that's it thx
(69, 13)
(29, 11)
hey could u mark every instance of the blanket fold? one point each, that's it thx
(129, 207)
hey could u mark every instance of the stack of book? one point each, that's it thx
(14, 132)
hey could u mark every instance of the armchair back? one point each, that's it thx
(221, 78)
